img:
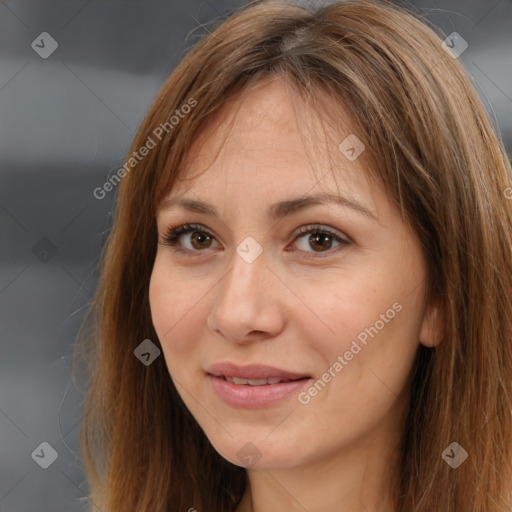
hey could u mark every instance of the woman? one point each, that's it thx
(313, 231)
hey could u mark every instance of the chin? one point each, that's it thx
(256, 452)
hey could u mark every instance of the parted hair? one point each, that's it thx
(441, 161)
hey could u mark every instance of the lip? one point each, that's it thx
(252, 397)
(252, 371)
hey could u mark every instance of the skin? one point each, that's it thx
(336, 452)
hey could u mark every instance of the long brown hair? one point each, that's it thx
(433, 148)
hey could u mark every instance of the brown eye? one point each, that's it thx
(200, 239)
(320, 239)
(203, 240)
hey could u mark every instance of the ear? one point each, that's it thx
(432, 328)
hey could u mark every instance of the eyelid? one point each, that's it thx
(176, 231)
(316, 226)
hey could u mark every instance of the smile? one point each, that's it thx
(243, 393)
(254, 382)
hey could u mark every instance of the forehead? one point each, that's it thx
(267, 141)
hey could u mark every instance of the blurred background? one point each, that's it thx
(75, 81)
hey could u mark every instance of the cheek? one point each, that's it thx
(374, 320)
(159, 300)
(173, 305)
(342, 309)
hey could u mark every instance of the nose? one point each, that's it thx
(247, 302)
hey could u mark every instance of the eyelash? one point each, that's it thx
(173, 234)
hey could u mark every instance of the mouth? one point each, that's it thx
(254, 374)
(256, 382)
(254, 386)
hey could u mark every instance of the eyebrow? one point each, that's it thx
(278, 210)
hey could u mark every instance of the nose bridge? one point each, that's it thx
(247, 272)
(242, 298)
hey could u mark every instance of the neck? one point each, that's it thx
(352, 480)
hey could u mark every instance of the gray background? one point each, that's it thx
(66, 122)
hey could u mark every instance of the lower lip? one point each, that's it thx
(251, 397)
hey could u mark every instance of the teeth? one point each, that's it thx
(254, 382)
(257, 382)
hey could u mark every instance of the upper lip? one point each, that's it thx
(252, 371)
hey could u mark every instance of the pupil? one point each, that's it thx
(318, 237)
(196, 236)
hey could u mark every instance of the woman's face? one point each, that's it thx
(253, 297)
